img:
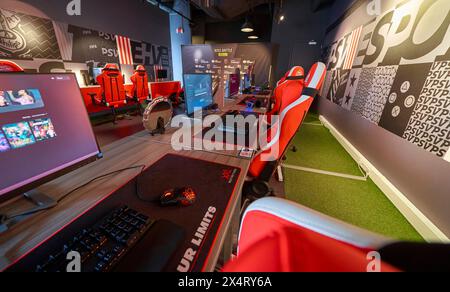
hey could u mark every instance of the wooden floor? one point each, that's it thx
(108, 133)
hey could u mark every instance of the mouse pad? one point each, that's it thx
(264, 101)
(214, 184)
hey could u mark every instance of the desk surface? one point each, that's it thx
(138, 149)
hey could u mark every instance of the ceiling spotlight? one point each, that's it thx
(247, 27)
(253, 37)
(281, 17)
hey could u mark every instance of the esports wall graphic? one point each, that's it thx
(45, 46)
(395, 72)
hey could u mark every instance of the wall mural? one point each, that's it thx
(42, 45)
(395, 72)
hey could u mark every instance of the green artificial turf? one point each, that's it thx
(359, 203)
(318, 149)
(312, 118)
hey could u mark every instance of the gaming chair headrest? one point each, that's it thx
(111, 68)
(313, 85)
(8, 66)
(296, 73)
(140, 69)
(316, 76)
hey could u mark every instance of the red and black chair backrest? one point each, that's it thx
(294, 76)
(139, 79)
(111, 81)
(294, 108)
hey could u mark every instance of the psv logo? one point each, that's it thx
(227, 174)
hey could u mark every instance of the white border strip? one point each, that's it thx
(329, 173)
(421, 223)
(313, 124)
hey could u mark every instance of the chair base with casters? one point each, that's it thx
(113, 107)
(138, 102)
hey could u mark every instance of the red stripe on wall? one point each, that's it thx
(119, 48)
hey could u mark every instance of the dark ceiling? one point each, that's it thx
(221, 20)
(228, 9)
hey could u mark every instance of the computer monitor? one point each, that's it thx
(45, 130)
(246, 82)
(96, 72)
(198, 92)
(162, 74)
(233, 85)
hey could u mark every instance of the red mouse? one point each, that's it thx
(179, 197)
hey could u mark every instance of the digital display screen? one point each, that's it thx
(233, 85)
(198, 92)
(162, 74)
(44, 128)
(247, 82)
(96, 72)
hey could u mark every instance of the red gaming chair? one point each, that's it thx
(294, 76)
(283, 78)
(281, 236)
(8, 66)
(295, 106)
(113, 94)
(141, 90)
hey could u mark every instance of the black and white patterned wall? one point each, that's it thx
(394, 71)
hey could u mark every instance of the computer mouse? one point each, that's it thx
(179, 197)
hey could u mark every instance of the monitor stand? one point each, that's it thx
(39, 199)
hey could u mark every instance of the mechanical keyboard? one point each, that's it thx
(104, 245)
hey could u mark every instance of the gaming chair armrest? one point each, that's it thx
(93, 96)
(284, 213)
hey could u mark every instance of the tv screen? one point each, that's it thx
(247, 82)
(233, 85)
(162, 74)
(198, 92)
(44, 128)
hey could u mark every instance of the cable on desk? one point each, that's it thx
(142, 167)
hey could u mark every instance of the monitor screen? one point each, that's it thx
(44, 129)
(247, 82)
(96, 72)
(198, 92)
(162, 74)
(233, 85)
